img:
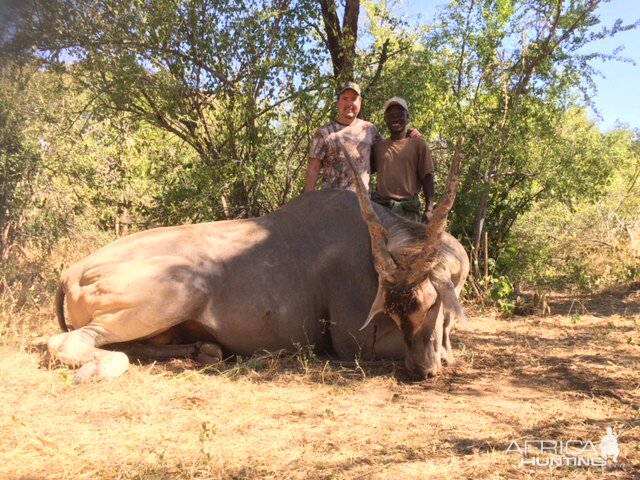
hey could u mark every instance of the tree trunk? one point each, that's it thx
(481, 215)
(341, 39)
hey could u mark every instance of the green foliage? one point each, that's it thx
(497, 290)
(222, 77)
(500, 292)
(503, 74)
(19, 157)
(587, 241)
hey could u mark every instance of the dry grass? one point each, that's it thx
(566, 376)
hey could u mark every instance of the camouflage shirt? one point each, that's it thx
(358, 137)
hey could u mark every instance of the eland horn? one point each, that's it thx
(436, 227)
(382, 260)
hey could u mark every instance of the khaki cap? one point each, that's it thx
(350, 86)
(396, 101)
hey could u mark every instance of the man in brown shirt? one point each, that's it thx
(404, 166)
(347, 129)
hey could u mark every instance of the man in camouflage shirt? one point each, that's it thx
(352, 132)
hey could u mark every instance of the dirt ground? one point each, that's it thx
(559, 378)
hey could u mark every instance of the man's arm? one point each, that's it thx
(428, 190)
(372, 160)
(313, 171)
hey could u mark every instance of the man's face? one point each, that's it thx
(396, 118)
(349, 104)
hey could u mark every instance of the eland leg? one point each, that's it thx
(81, 347)
(206, 353)
(78, 348)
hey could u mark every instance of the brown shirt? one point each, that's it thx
(358, 138)
(401, 166)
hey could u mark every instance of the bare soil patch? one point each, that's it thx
(567, 376)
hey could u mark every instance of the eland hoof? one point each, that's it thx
(106, 366)
(209, 354)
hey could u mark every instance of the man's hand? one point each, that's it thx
(413, 132)
(427, 216)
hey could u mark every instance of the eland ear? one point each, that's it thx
(441, 280)
(372, 315)
(463, 318)
(376, 308)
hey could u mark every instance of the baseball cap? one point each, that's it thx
(350, 86)
(396, 101)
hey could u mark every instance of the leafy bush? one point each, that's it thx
(586, 243)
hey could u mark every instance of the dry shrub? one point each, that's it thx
(588, 249)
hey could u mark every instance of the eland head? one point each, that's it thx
(415, 287)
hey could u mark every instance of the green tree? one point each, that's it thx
(217, 75)
(199, 109)
(65, 170)
(503, 73)
(341, 39)
(19, 156)
(588, 241)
